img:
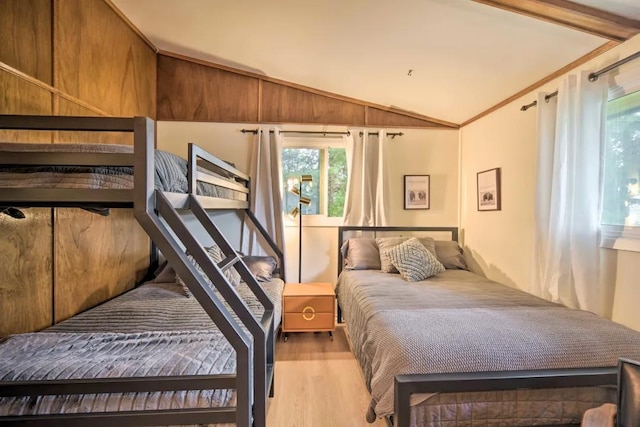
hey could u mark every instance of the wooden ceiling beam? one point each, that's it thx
(573, 15)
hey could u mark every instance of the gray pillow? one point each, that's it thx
(216, 256)
(414, 261)
(261, 266)
(361, 253)
(385, 243)
(449, 253)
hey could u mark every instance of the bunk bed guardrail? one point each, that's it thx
(157, 214)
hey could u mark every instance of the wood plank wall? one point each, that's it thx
(69, 57)
(25, 31)
(195, 90)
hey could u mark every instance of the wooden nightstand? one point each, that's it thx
(308, 307)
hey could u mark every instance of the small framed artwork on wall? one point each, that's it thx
(489, 190)
(416, 191)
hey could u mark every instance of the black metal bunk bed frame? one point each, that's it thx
(408, 384)
(157, 213)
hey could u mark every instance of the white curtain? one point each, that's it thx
(266, 189)
(568, 196)
(367, 188)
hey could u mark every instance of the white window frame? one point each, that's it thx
(622, 237)
(315, 220)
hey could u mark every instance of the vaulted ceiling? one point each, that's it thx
(447, 59)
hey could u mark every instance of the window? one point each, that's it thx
(327, 165)
(621, 198)
(621, 192)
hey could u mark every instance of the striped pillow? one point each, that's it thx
(216, 255)
(414, 261)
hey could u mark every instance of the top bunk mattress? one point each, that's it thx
(170, 172)
(458, 321)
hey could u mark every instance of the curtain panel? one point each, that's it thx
(266, 189)
(367, 186)
(569, 197)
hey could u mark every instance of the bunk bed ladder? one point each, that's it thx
(153, 210)
(261, 371)
(233, 259)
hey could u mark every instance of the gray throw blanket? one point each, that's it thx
(151, 330)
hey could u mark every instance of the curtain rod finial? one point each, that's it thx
(593, 77)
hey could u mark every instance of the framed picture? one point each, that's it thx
(416, 191)
(489, 190)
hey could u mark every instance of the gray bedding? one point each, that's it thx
(457, 321)
(151, 330)
(170, 172)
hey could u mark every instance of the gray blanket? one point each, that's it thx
(151, 330)
(162, 307)
(460, 322)
(170, 172)
(104, 355)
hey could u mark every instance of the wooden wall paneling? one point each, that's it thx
(96, 258)
(284, 104)
(377, 117)
(25, 246)
(100, 60)
(25, 31)
(25, 272)
(69, 108)
(189, 91)
(274, 95)
(19, 96)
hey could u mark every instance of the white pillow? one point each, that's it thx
(414, 261)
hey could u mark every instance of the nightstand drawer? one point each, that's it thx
(319, 304)
(308, 321)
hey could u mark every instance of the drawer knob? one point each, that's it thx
(308, 310)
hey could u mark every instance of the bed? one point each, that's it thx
(195, 350)
(459, 349)
(154, 329)
(171, 173)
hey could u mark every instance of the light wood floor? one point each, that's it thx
(318, 384)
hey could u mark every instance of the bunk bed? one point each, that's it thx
(212, 363)
(459, 349)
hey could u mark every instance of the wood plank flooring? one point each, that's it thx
(318, 383)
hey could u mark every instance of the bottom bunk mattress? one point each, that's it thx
(153, 330)
(457, 321)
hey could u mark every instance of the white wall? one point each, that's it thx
(500, 244)
(418, 152)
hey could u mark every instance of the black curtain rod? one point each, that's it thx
(592, 77)
(534, 103)
(391, 134)
(323, 133)
(255, 131)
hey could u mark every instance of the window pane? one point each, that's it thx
(621, 198)
(337, 185)
(297, 162)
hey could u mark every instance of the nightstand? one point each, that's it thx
(308, 307)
